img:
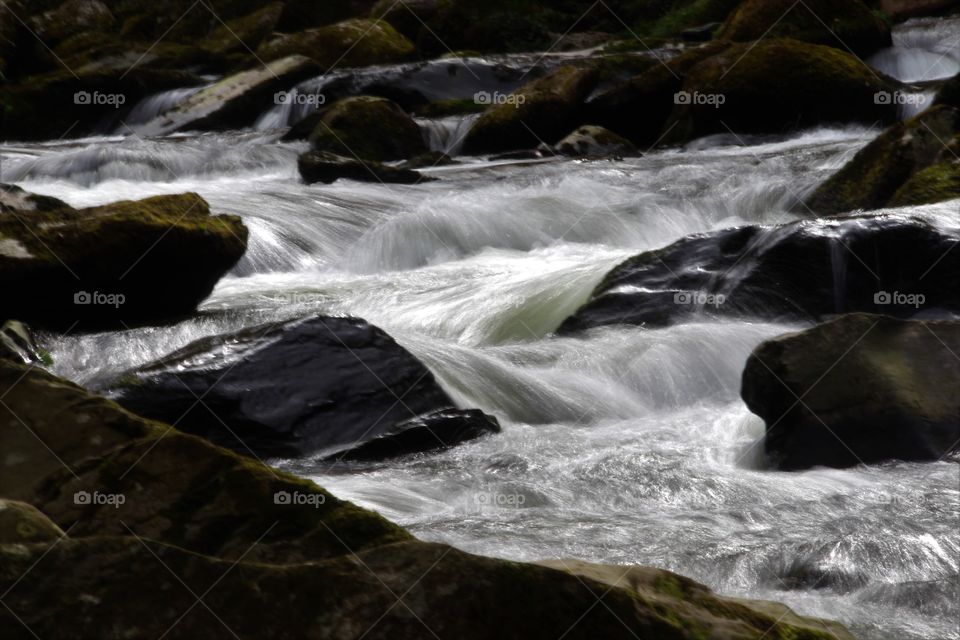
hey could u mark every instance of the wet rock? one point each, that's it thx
(71, 17)
(367, 128)
(22, 523)
(13, 198)
(327, 168)
(542, 111)
(802, 271)
(873, 388)
(949, 93)
(115, 265)
(18, 344)
(144, 503)
(234, 101)
(594, 141)
(241, 35)
(912, 162)
(300, 387)
(904, 9)
(845, 24)
(354, 43)
(429, 432)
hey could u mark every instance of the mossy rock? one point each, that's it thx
(307, 14)
(69, 18)
(845, 24)
(949, 93)
(353, 43)
(541, 111)
(243, 35)
(115, 265)
(368, 128)
(934, 184)
(594, 141)
(777, 86)
(881, 174)
(22, 523)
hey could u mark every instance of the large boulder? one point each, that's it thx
(859, 389)
(845, 24)
(327, 168)
(293, 388)
(155, 518)
(354, 43)
(912, 162)
(803, 271)
(368, 128)
(542, 111)
(234, 101)
(115, 265)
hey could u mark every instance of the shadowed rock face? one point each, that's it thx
(115, 265)
(155, 518)
(873, 389)
(802, 271)
(300, 387)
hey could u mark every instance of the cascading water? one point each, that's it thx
(446, 135)
(623, 445)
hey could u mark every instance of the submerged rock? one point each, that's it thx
(142, 503)
(594, 141)
(541, 111)
(233, 101)
(299, 387)
(115, 265)
(367, 128)
(330, 167)
(911, 163)
(871, 388)
(802, 271)
(844, 24)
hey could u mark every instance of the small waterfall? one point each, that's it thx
(152, 106)
(914, 65)
(447, 134)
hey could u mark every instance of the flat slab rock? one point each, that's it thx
(318, 385)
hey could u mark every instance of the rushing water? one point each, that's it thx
(624, 445)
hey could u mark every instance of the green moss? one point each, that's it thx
(368, 128)
(934, 184)
(345, 44)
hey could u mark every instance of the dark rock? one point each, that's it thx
(367, 128)
(871, 388)
(520, 154)
(542, 111)
(879, 174)
(845, 24)
(595, 142)
(701, 33)
(354, 43)
(904, 9)
(234, 101)
(801, 271)
(429, 432)
(22, 523)
(120, 264)
(13, 198)
(329, 167)
(296, 388)
(949, 93)
(18, 344)
(69, 18)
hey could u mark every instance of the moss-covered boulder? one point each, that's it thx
(71, 17)
(156, 518)
(353, 43)
(114, 265)
(244, 34)
(912, 162)
(845, 24)
(595, 142)
(542, 111)
(874, 388)
(367, 128)
(234, 101)
(774, 86)
(22, 523)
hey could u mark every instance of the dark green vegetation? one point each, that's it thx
(154, 518)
